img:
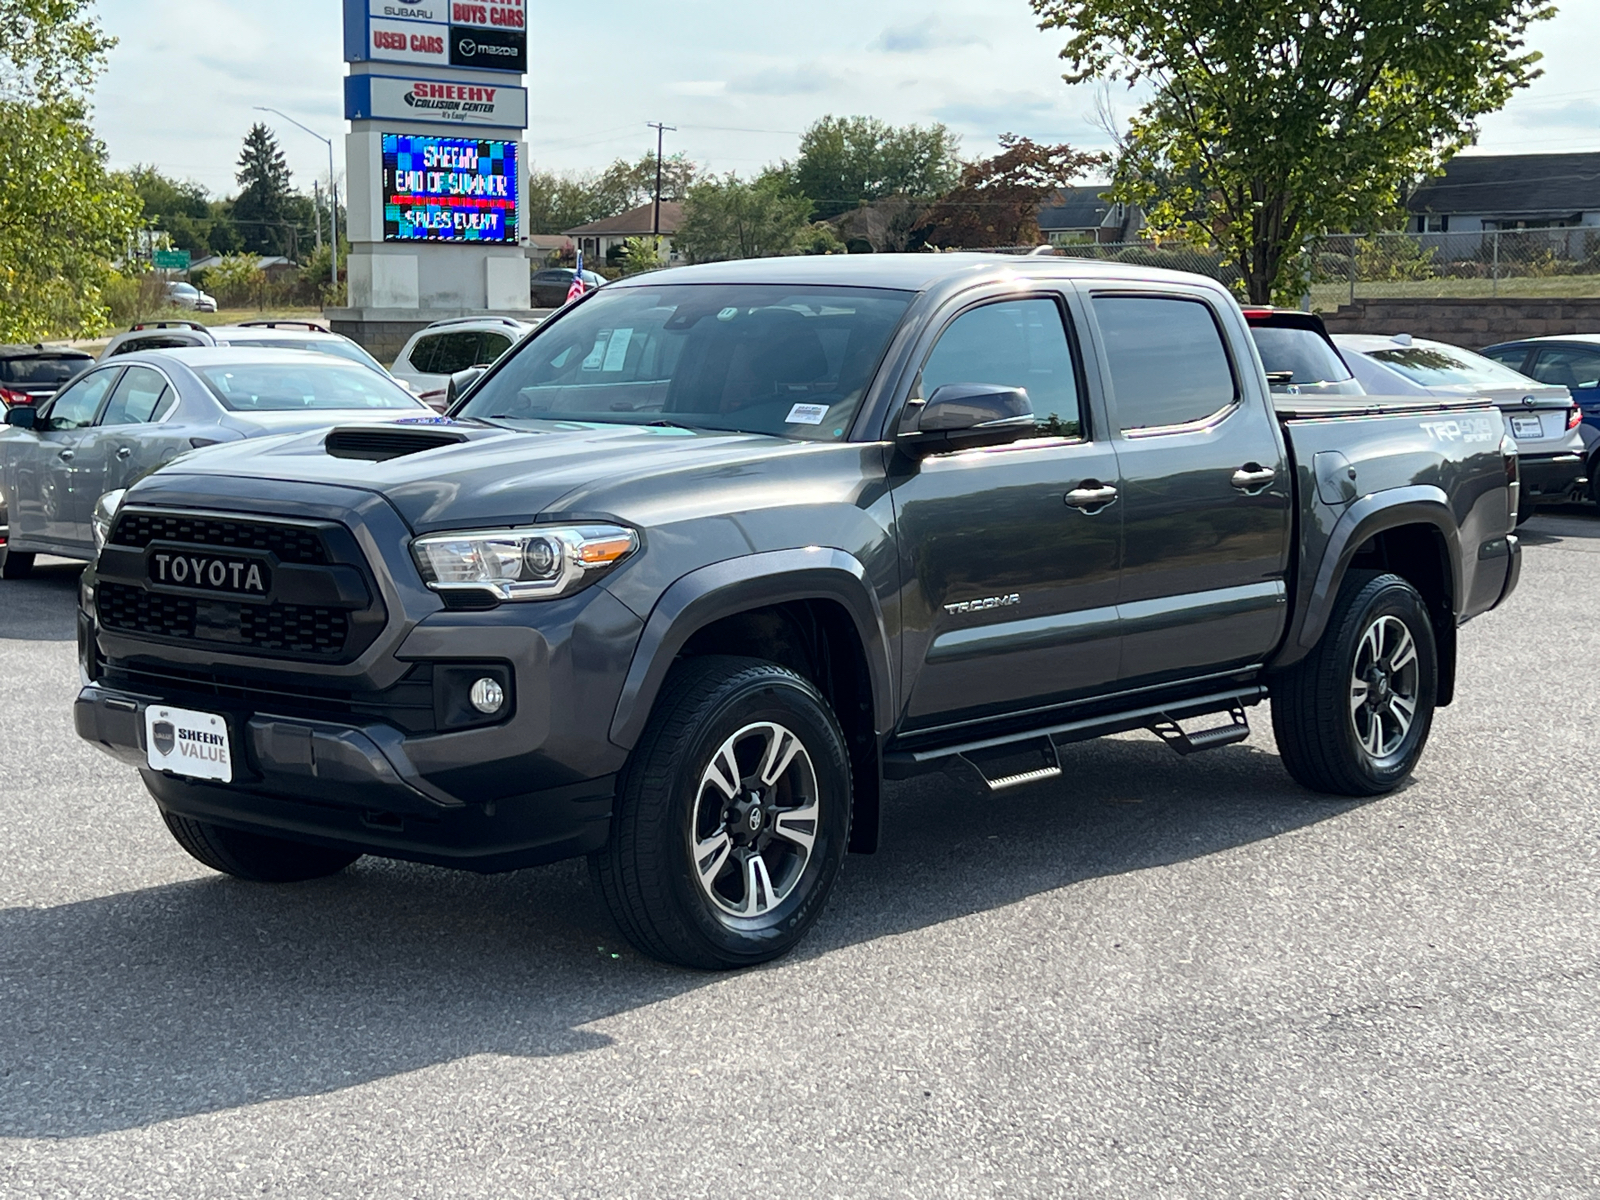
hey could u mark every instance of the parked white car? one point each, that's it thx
(1540, 416)
(440, 350)
(186, 295)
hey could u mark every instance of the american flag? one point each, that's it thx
(577, 289)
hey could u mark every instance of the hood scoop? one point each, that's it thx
(381, 443)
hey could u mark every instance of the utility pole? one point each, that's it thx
(316, 207)
(333, 189)
(661, 134)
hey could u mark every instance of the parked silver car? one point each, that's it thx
(1540, 416)
(115, 424)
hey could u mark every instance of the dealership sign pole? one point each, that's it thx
(435, 162)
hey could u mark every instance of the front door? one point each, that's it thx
(47, 466)
(1010, 574)
(125, 444)
(1206, 487)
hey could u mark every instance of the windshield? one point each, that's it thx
(298, 386)
(1442, 366)
(1301, 352)
(789, 360)
(42, 371)
(335, 346)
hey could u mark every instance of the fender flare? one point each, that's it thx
(737, 585)
(1420, 504)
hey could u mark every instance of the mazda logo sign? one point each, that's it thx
(467, 47)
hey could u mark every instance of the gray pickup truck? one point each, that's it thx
(717, 550)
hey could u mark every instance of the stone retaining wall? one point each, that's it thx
(1470, 323)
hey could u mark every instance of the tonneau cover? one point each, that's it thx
(1324, 406)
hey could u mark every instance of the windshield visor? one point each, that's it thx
(786, 360)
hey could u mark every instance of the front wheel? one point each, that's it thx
(1353, 716)
(731, 819)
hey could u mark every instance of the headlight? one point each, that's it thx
(105, 512)
(523, 564)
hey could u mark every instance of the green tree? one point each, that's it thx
(180, 207)
(998, 199)
(63, 216)
(848, 161)
(1278, 120)
(626, 185)
(731, 218)
(262, 209)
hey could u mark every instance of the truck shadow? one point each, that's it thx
(42, 607)
(131, 1009)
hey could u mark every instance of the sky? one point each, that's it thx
(739, 78)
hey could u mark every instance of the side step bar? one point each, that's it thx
(902, 764)
(1006, 758)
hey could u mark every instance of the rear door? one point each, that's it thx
(1206, 488)
(1010, 589)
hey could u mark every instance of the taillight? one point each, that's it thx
(1574, 417)
(10, 398)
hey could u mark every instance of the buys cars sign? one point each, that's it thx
(438, 33)
(402, 98)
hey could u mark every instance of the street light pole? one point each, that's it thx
(333, 191)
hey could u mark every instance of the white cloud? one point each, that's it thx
(698, 87)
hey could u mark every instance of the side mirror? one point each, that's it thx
(460, 382)
(961, 416)
(23, 416)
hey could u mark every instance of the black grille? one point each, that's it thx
(289, 628)
(138, 611)
(290, 543)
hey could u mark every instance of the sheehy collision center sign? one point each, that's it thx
(458, 33)
(402, 98)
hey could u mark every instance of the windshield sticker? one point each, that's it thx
(807, 414)
(617, 351)
(597, 355)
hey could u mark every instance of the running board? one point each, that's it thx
(1008, 758)
(1185, 743)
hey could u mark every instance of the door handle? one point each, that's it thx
(66, 456)
(1253, 477)
(1091, 495)
(124, 451)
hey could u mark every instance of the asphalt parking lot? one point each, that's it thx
(1159, 977)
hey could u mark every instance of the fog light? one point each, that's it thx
(487, 696)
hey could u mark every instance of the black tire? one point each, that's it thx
(647, 871)
(255, 856)
(1526, 509)
(1319, 727)
(1594, 479)
(16, 564)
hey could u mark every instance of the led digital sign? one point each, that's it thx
(449, 189)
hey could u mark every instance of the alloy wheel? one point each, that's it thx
(1384, 686)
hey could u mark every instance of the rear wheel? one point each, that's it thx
(15, 564)
(255, 856)
(732, 817)
(1353, 716)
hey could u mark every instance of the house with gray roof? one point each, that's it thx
(1508, 191)
(1081, 214)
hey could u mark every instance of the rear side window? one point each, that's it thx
(494, 345)
(1510, 356)
(1017, 343)
(1167, 360)
(1572, 367)
(1301, 353)
(446, 353)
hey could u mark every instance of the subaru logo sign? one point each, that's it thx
(1528, 400)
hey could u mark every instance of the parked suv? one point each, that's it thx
(715, 550)
(272, 333)
(438, 351)
(1571, 361)
(186, 295)
(1541, 417)
(1299, 356)
(29, 374)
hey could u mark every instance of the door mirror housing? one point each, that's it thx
(23, 416)
(961, 416)
(460, 382)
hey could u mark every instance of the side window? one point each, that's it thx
(141, 396)
(423, 354)
(1167, 360)
(75, 406)
(1512, 356)
(455, 352)
(1015, 343)
(494, 345)
(1571, 367)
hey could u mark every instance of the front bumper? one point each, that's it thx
(355, 786)
(1550, 476)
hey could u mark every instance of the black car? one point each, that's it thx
(29, 374)
(1571, 361)
(551, 285)
(714, 551)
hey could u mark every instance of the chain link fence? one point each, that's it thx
(1554, 263)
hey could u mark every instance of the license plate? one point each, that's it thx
(187, 743)
(1526, 427)
(228, 574)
